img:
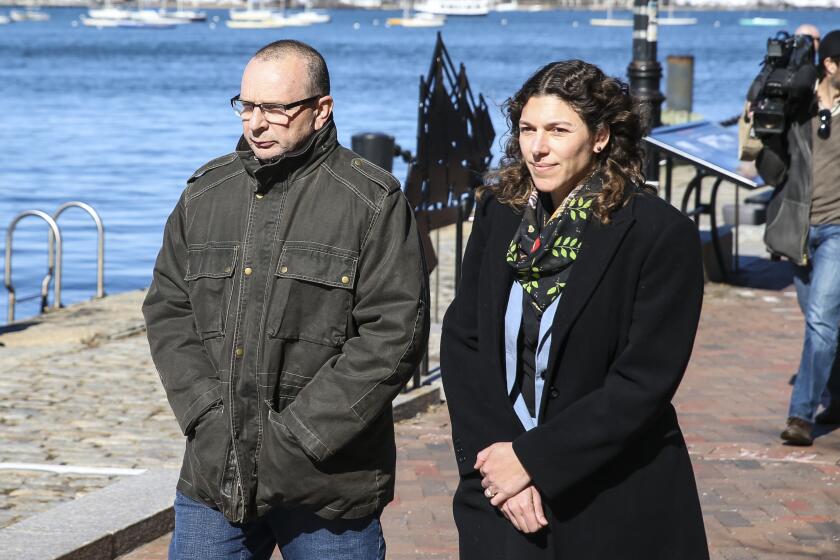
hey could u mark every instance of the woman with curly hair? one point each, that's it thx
(570, 332)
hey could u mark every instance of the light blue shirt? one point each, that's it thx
(513, 323)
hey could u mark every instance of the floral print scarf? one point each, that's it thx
(545, 248)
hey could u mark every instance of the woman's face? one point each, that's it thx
(556, 145)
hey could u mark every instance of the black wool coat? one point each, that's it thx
(608, 455)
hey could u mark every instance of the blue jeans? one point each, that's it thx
(203, 533)
(818, 291)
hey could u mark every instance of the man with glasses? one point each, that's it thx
(803, 224)
(287, 309)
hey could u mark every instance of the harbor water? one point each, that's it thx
(119, 118)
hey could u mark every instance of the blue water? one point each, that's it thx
(119, 118)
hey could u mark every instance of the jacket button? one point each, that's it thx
(284, 269)
(239, 351)
(248, 270)
(356, 162)
(345, 280)
(553, 393)
(227, 269)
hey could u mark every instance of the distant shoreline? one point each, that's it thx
(335, 5)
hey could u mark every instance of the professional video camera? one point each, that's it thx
(787, 77)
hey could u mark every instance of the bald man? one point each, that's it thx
(288, 307)
(811, 31)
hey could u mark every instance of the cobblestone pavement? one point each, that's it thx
(761, 499)
(79, 390)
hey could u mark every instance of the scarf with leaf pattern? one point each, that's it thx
(545, 247)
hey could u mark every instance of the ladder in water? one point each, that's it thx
(54, 254)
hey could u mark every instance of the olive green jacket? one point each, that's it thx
(288, 307)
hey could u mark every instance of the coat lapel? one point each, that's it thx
(499, 278)
(602, 241)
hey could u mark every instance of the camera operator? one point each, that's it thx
(803, 223)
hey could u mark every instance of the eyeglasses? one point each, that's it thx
(275, 113)
(824, 131)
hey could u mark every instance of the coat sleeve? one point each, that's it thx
(391, 312)
(460, 358)
(191, 382)
(642, 379)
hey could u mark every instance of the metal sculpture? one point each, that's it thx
(454, 136)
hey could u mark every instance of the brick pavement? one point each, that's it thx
(761, 499)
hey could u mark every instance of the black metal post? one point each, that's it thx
(645, 72)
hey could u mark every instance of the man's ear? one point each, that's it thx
(323, 111)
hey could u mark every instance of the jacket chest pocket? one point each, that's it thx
(318, 284)
(210, 277)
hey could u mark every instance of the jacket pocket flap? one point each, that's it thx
(319, 264)
(210, 261)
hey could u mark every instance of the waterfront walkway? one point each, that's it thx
(761, 499)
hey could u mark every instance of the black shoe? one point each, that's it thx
(798, 432)
(830, 415)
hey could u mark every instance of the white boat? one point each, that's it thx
(182, 15)
(671, 20)
(267, 23)
(417, 20)
(762, 22)
(610, 21)
(155, 17)
(250, 15)
(108, 12)
(506, 7)
(454, 7)
(4, 20)
(309, 15)
(100, 22)
(189, 16)
(29, 14)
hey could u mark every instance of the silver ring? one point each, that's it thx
(489, 493)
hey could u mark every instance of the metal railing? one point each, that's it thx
(100, 242)
(45, 283)
(54, 257)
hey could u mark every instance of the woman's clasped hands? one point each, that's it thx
(508, 486)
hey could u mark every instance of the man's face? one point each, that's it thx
(280, 81)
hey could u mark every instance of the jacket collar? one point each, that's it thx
(292, 165)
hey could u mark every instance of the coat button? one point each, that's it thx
(239, 351)
(284, 269)
(227, 269)
(248, 270)
(345, 280)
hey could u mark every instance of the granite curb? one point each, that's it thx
(101, 525)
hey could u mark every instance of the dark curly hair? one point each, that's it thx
(599, 100)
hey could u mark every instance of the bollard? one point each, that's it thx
(375, 147)
(679, 86)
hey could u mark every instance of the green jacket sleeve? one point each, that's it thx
(188, 376)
